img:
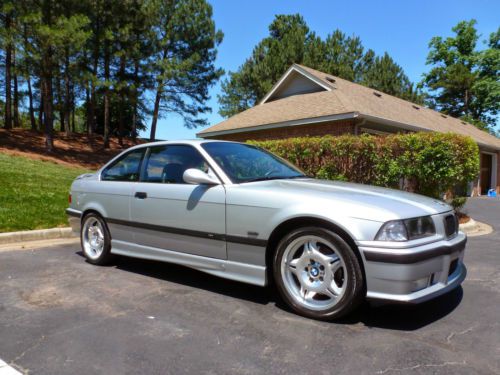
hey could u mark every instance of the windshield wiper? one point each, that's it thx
(267, 178)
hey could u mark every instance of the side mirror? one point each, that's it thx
(196, 177)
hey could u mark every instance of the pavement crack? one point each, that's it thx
(14, 363)
(453, 334)
(429, 365)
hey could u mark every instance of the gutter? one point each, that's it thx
(283, 124)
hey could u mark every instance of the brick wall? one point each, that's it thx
(310, 130)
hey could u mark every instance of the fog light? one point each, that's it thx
(420, 284)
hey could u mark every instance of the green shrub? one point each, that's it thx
(425, 163)
(458, 203)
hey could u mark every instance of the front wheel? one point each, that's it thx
(95, 240)
(317, 273)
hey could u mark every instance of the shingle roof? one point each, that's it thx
(348, 97)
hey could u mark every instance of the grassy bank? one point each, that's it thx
(33, 194)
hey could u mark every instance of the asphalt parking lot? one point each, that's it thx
(60, 315)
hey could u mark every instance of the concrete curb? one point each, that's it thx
(475, 228)
(471, 224)
(35, 235)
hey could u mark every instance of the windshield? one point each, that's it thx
(246, 163)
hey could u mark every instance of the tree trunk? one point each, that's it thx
(122, 101)
(47, 93)
(466, 102)
(67, 97)
(40, 110)
(91, 92)
(17, 124)
(73, 108)
(47, 109)
(88, 105)
(30, 98)
(156, 109)
(135, 99)
(106, 94)
(152, 135)
(60, 105)
(8, 78)
(28, 81)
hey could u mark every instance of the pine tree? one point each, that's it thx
(185, 52)
(291, 41)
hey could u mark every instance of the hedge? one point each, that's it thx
(425, 163)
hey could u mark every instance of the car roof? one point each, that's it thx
(180, 142)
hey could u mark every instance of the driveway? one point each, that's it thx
(60, 315)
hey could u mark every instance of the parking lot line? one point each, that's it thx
(5, 369)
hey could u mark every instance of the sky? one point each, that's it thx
(403, 28)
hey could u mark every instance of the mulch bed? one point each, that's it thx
(75, 150)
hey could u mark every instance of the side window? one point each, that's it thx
(166, 164)
(124, 169)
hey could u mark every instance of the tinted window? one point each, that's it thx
(166, 164)
(245, 163)
(124, 169)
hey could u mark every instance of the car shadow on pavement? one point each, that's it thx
(194, 278)
(404, 317)
(371, 314)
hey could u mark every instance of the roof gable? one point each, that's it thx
(337, 99)
(296, 81)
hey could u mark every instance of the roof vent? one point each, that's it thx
(444, 116)
(415, 106)
(377, 94)
(330, 79)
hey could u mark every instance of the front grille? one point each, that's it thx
(451, 225)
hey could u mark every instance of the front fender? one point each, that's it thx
(358, 229)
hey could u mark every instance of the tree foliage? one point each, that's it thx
(464, 81)
(291, 41)
(105, 66)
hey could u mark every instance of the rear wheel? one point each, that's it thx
(317, 273)
(95, 240)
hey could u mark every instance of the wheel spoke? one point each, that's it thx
(337, 290)
(335, 266)
(330, 292)
(99, 233)
(292, 266)
(311, 247)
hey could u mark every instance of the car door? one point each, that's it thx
(111, 194)
(170, 214)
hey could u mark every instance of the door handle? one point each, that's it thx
(141, 195)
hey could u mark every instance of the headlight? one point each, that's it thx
(404, 230)
(420, 227)
(393, 231)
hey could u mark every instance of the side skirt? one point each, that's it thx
(246, 273)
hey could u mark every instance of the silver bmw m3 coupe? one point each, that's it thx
(239, 212)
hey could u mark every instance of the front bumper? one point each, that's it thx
(414, 274)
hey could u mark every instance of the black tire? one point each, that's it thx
(105, 257)
(354, 292)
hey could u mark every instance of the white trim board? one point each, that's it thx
(298, 69)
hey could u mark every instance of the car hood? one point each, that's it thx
(354, 200)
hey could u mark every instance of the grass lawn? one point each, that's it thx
(33, 193)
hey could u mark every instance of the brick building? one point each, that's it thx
(306, 102)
